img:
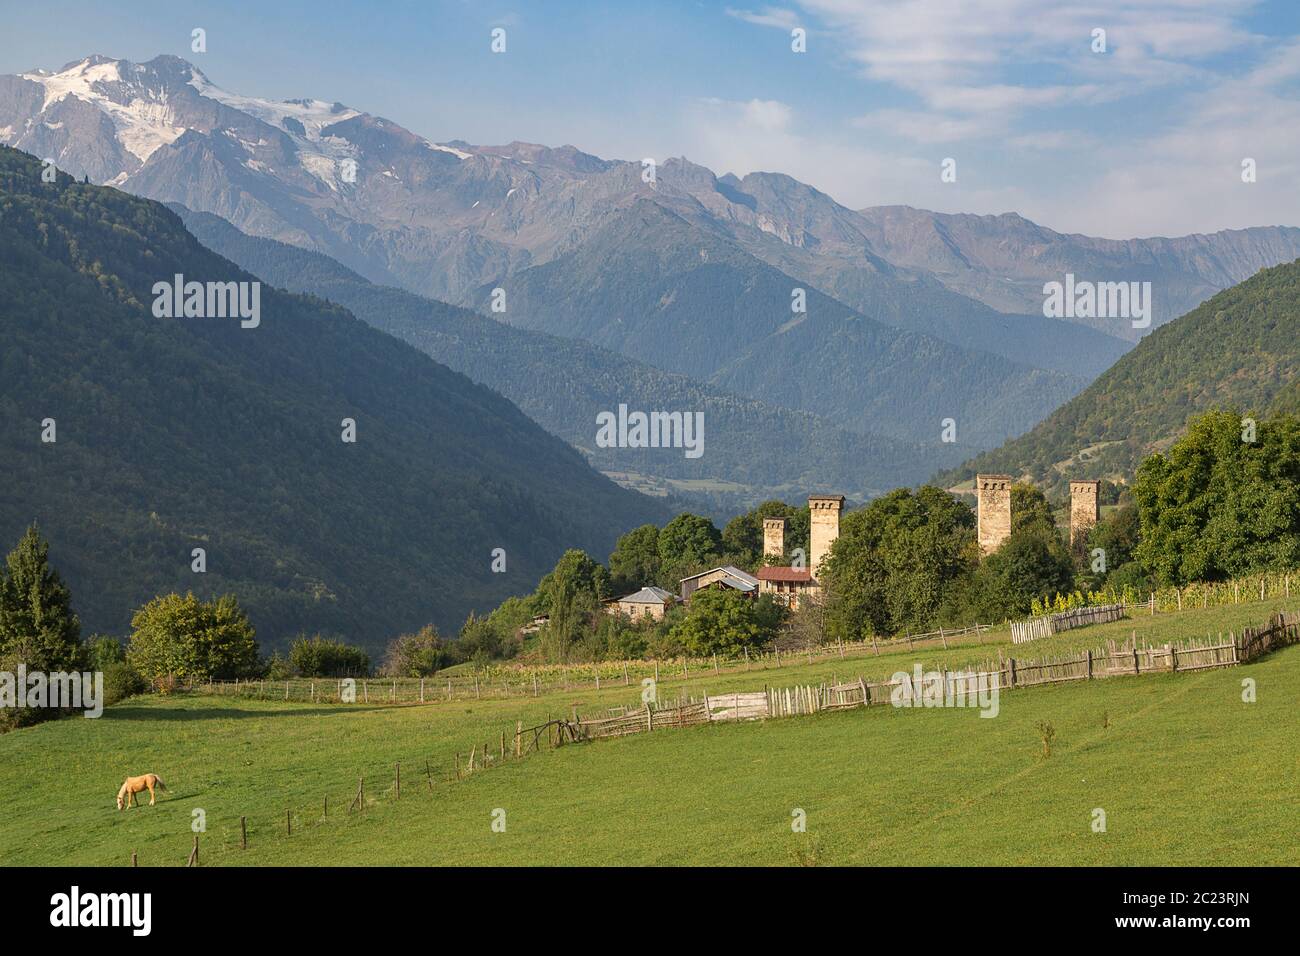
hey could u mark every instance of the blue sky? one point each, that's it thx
(1146, 138)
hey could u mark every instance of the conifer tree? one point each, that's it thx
(37, 624)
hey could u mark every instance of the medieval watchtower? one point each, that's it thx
(1084, 508)
(993, 514)
(824, 513)
(773, 537)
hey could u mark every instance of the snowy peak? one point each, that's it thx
(151, 105)
(304, 118)
(134, 99)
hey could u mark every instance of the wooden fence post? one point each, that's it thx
(519, 730)
(1089, 664)
(243, 833)
(134, 862)
(397, 780)
(288, 823)
(194, 853)
(1011, 671)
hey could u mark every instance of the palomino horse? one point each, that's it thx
(134, 785)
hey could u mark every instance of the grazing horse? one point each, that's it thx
(134, 785)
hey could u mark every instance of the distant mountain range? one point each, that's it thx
(564, 383)
(1241, 350)
(912, 317)
(178, 433)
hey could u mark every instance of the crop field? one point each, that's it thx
(1184, 771)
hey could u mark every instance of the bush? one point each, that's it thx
(177, 639)
(416, 655)
(102, 651)
(725, 622)
(324, 657)
(121, 681)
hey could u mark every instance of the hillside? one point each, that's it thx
(563, 383)
(662, 290)
(181, 433)
(1241, 349)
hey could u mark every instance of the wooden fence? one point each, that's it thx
(1128, 660)
(1049, 624)
(514, 681)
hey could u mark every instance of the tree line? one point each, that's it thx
(1223, 501)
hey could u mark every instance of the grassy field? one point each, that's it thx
(1186, 773)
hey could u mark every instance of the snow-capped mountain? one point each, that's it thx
(444, 219)
(597, 249)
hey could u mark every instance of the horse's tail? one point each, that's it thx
(159, 780)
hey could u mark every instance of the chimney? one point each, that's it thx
(824, 513)
(993, 515)
(773, 537)
(1084, 509)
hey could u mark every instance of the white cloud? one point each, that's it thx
(779, 17)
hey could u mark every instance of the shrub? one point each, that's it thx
(324, 657)
(416, 655)
(176, 639)
(121, 681)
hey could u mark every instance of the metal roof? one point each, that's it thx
(650, 595)
(731, 570)
(784, 574)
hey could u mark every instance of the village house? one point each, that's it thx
(728, 576)
(649, 602)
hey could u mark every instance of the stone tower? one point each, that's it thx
(1084, 510)
(773, 537)
(993, 516)
(824, 527)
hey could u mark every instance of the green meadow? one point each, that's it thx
(1184, 770)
